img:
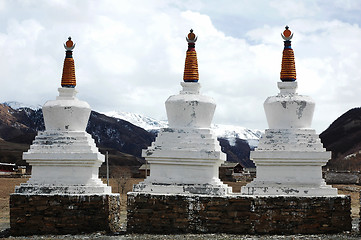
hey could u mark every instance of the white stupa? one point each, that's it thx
(290, 155)
(64, 157)
(186, 156)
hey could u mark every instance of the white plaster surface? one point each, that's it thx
(64, 158)
(189, 109)
(290, 154)
(288, 109)
(186, 156)
(66, 113)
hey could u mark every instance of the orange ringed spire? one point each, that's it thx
(191, 63)
(68, 77)
(288, 69)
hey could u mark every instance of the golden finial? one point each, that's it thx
(288, 69)
(69, 45)
(191, 63)
(191, 38)
(287, 34)
(68, 77)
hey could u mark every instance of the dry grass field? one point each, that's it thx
(7, 186)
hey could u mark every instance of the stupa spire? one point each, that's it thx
(288, 70)
(68, 78)
(191, 63)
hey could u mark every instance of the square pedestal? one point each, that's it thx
(237, 214)
(63, 214)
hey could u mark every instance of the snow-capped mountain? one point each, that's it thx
(120, 133)
(229, 132)
(17, 105)
(139, 120)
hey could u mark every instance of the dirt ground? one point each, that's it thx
(117, 188)
(7, 186)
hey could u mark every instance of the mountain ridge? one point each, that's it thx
(229, 132)
(115, 135)
(343, 138)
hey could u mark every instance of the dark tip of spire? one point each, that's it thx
(191, 30)
(69, 38)
(287, 27)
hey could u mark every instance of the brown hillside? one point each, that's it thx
(12, 152)
(343, 137)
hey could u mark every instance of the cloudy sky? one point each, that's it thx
(129, 55)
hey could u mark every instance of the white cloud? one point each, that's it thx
(295, 9)
(130, 57)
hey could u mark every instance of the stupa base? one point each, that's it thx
(237, 214)
(219, 189)
(260, 188)
(38, 214)
(26, 188)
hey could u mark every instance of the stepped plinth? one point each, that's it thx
(290, 155)
(64, 157)
(185, 157)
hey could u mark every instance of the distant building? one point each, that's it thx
(144, 171)
(7, 168)
(239, 168)
(21, 170)
(226, 171)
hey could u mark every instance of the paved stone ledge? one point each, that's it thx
(237, 214)
(63, 214)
